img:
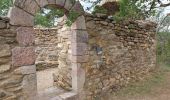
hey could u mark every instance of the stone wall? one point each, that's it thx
(17, 74)
(46, 42)
(22, 84)
(119, 53)
(62, 78)
(10, 87)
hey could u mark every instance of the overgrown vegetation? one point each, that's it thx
(128, 9)
(72, 16)
(99, 9)
(163, 47)
(47, 16)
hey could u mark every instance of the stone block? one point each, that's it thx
(4, 60)
(22, 56)
(7, 33)
(79, 36)
(79, 59)
(2, 24)
(68, 96)
(52, 1)
(60, 3)
(79, 24)
(19, 3)
(4, 68)
(20, 18)
(78, 77)
(2, 94)
(5, 50)
(78, 49)
(11, 81)
(29, 85)
(56, 98)
(25, 70)
(28, 5)
(78, 8)
(25, 36)
(69, 4)
(42, 3)
(91, 25)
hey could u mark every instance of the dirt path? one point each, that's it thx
(159, 92)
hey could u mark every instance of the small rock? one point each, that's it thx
(4, 68)
(2, 94)
(104, 22)
(5, 50)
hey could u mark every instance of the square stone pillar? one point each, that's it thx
(23, 60)
(79, 41)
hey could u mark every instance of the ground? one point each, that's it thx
(46, 78)
(46, 90)
(156, 87)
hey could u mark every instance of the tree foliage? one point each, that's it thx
(4, 6)
(133, 9)
(47, 16)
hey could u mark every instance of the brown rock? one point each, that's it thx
(28, 5)
(69, 4)
(25, 36)
(20, 17)
(22, 56)
(4, 68)
(2, 24)
(2, 94)
(104, 22)
(60, 3)
(42, 3)
(52, 1)
(25, 70)
(4, 60)
(91, 24)
(5, 50)
(79, 23)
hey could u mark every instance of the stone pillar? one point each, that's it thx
(23, 58)
(79, 54)
(23, 54)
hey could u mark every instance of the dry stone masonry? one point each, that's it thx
(119, 53)
(47, 49)
(10, 86)
(17, 70)
(94, 56)
(62, 78)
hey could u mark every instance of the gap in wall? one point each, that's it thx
(46, 46)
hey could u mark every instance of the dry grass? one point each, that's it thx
(155, 87)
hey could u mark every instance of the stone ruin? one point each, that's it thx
(93, 57)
